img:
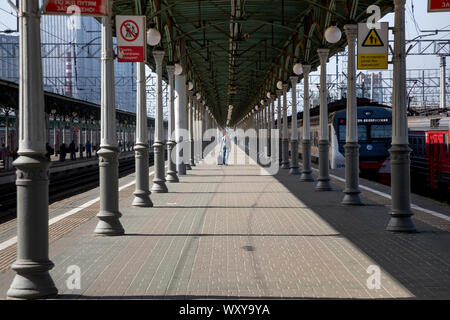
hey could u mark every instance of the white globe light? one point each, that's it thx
(268, 94)
(190, 86)
(153, 37)
(198, 95)
(297, 68)
(262, 101)
(178, 69)
(333, 34)
(280, 85)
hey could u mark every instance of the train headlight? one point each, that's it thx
(369, 147)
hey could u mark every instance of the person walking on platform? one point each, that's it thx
(88, 149)
(225, 146)
(62, 152)
(73, 155)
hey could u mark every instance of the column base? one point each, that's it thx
(401, 224)
(109, 224)
(352, 199)
(306, 177)
(172, 177)
(294, 158)
(324, 178)
(400, 190)
(32, 280)
(142, 199)
(159, 186)
(285, 151)
(188, 166)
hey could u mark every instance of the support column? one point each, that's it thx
(142, 192)
(80, 136)
(306, 175)
(294, 134)
(180, 123)
(284, 140)
(171, 170)
(269, 127)
(272, 127)
(351, 190)
(55, 140)
(159, 181)
(324, 145)
(191, 131)
(109, 215)
(32, 265)
(280, 127)
(400, 176)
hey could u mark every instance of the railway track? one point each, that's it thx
(65, 184)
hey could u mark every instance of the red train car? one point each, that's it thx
(430, 156)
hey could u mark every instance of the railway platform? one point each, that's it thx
(238, 232)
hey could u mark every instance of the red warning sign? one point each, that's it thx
(130, 32)
(82, 7)
(438, 5)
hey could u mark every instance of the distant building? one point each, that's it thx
(71, 61)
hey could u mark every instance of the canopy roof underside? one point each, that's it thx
(235, 51)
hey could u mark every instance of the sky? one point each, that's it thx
(417, 19)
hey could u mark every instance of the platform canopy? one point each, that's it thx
(235, 51)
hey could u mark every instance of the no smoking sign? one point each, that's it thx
(130, 38)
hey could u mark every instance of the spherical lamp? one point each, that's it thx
(280, 85)
(178, 69)
(297, 68)
(333, 34)
(190, 86)
(153, 36)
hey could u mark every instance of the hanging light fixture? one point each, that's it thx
(280, 85)
(178, 69)
(297, 68)
(190, 86)
(262, 101)
(268, 94)
(198, 95)
(333, 34)
(153, 35)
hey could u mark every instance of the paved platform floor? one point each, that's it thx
(230, 232)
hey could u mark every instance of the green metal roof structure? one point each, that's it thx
(235, 51)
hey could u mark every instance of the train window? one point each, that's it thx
(342, 129)
(381, 131)
(362, 132)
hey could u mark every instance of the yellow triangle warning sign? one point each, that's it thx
(372, 39)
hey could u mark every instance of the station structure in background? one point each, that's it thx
(226, 66)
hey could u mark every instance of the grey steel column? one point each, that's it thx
(80, 136)
(272, 125)
(400, 179)
(306, 134)
(191, 131)
(180, 122)
(55, 144)
(279, 127)
(324, 178)
(159, 181)
(294, 134)
(171, 169)
(142, 192)
(32, 265)
(351, 190)
(284, 139)
(109, 224)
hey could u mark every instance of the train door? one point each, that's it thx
(436, 141)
